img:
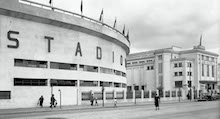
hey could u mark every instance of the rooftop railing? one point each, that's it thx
(70, 13)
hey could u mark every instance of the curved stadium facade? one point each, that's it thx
(44, 50)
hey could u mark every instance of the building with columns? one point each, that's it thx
(172, 68)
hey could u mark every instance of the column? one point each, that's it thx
(142, 95)
(125, 95)
(133, 95)
(150, 95)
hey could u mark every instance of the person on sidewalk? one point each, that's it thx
(96, 101)
(157, 101)
(92, 100)
(115, 102)
(40, 101)
(52, 101)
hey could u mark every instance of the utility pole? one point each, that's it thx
(103, 88)
(60, 97)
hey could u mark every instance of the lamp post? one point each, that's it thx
(103, 88)
(134, 94)
(60, 97)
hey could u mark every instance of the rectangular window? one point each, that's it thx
(123, 85)
(189, 73)
(207, 58)
(189, 83)
(128, 88)
(134, 62)
(88, 68)
(202, 57)
(136, 87)
(160, 68)
(212, 59)
(148, 67)
(59, 82)
(175, 73)
(29, 82)
(160, 80)
(106, 70)
(119, 73)
(207, 70)
(89, 83)
(5, 94)
(141, 61)
(105, 84)
(202, 69)
(189, 64)
(180, 73)
(175, 65)
(123, 74)
(178, 84)
(152, 67)
(180, 65)
(55, 65)
(213, 71)
(30, 63)
(117, 84)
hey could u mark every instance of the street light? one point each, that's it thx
(60, 97)
(134, 94)
(103, 88)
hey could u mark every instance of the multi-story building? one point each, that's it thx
(171, 68)
(45, 50)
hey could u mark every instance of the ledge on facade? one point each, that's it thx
(207, 81)
(200, 51)
(181, 59)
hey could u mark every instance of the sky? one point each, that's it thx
(156, 24)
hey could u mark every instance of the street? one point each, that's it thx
(189, 110)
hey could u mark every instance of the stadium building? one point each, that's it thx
(45, 50)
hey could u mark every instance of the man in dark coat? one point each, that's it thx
(157, 101)
(41, 100)
(52, 101)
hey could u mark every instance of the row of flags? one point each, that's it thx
(100, 18)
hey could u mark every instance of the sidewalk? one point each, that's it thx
(80, 107)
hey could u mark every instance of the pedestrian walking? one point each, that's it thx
(157, 101)
(41, 100)
(96, 101)
(53, 101)
(115, 102)
(92, 100)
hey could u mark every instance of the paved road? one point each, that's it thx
(190, 110)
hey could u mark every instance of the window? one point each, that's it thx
(119, 73)
(212, 59)
(148, 67)
(189, 83)
(128, 88)
(141, 62)
(55, 65)
(142, 87)
(136, 87)
(189, 73)
(160, 57)
(5, 94)
(202, 69)
(175, 65)
(88, 68)
(134, 62)
(189, 64)
(180, 73)
(59, 82)
(175, 73)
(106, 70)
(160, 80)
(29, 82)
(152, 67)
(207, 70)
(117, 84)
(202, 57)
(30, 63)
(105, 84)
(123, 85)
(123, 74)
(178, 84)
(213, 71)
(160, 68)
(89, 83)
(180, 65)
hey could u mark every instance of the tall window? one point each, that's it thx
(189, 64)
(180, 65)
(213, 72)
(202, 69)
(207, 70)
(160, 68)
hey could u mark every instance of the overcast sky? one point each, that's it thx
(155, 24)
